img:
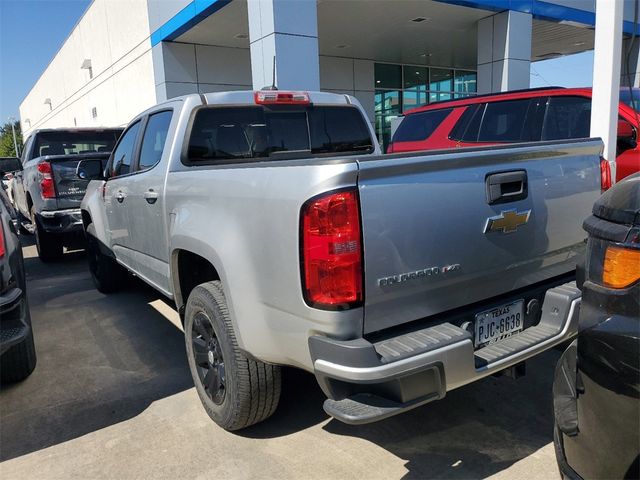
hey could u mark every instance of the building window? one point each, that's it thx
(400, 88)
(464, 84)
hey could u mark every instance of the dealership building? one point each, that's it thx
(124, 56)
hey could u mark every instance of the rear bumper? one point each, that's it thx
(367, 381)
(15, 322)
(61, 221)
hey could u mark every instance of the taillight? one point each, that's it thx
(47, 189)
(275, 97)
(621, 267)
(3, 248)
(605, 175)
(332, 251)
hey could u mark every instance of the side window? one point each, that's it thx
(503, 121)
(467, 126)
(420, 126)
(567, 117)
(123, 154)
(26, 149)
(155, 136)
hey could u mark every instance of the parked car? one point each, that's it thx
(8, 167)
(17, 350)
(597, 382)
(520, 116)
(285, 238)
(47, 193)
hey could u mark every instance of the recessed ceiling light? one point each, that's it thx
(342, 45)
(241, 36)
(578, 44)
(420, 19)
(377, 81)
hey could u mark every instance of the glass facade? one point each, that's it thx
(400, 88)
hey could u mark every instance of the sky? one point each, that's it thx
(32, 31)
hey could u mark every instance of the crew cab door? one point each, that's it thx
(145, 190)
(116, 194)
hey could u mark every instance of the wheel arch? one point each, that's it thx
(188, 270)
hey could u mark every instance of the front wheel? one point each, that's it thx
(107, 274)
(236, 391)
(49, 245)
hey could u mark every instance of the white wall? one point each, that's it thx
(114, 35)
(351, 76)
(160, 11)
(183, 68)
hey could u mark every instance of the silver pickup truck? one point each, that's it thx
(285, 238)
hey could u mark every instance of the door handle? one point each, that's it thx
(120, 196)
(151, 196)
(503, 187)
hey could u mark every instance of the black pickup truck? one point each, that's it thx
(47, 192)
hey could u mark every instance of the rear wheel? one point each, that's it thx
(19, 361)
(107, 274)
(235, 390)
(49, 245)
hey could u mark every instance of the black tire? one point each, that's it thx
(108, 275)
(49, 245)
(19, 361)
(250, 389)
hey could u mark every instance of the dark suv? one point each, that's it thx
(521, 116)
(17, 350)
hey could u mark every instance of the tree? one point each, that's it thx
(6, 140)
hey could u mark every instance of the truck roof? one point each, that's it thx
(246, 97)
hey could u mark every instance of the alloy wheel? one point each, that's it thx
(207, 354)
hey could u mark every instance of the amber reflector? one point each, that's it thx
(621, 267)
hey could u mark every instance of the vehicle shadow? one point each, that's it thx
(101, 359)
(474, 432)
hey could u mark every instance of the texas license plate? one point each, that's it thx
(499, 323)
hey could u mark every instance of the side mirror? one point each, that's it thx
(627, 134)
(90, 170)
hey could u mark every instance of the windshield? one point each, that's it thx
(262, 132)
(74, 142)
(626, 97)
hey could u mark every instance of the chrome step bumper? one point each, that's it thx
(368, 381)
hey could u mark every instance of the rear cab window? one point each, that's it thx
(74, 142)
(420, 126)
(224, 134)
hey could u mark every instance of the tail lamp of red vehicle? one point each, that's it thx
(47, 189)
(605, 175)
(332, 251)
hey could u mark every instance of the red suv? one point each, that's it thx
(522, 116)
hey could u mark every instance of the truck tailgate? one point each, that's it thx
(433, 242)
(69, 188)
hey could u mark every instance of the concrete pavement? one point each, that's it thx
(111, 397)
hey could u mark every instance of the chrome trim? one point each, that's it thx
(57, 213)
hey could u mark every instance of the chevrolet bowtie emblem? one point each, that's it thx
(507, 222)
